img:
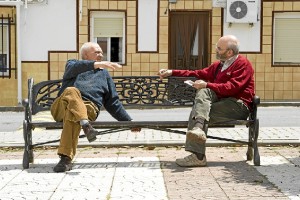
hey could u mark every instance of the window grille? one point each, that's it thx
(7, 60)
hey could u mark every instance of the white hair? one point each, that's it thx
(84, 48)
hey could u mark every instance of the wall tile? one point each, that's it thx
(259, 85)
(103, 4)
(153, 57)
(288, 85)
(296, 85)
(288, 5)
(296, 95)
(278, 95)
(288, 95)
(260, 76)
(145, 57)
(278, 86)
(113, 5)
(269, 86)
(269, 95)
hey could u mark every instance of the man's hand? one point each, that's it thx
(107, 64)
(163, 73)
(199, 84)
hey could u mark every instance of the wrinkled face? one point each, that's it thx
(222, 52)
(94, 53)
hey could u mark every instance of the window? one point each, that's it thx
(286, 34)
(4, 69)
(108, 30)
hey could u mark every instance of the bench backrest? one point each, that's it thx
(142, 91)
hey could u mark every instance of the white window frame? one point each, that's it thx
(109, 14)
(5, 73)
(285, 45)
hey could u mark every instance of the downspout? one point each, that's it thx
(19, 65)
(80, 10)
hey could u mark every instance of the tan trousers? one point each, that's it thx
(69, 108)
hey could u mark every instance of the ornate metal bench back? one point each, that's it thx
(132, 90)
(43, 95)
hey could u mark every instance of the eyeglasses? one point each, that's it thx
(98, 52)
(220, 49)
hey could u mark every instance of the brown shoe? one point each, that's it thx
(196, 134)
(65, 164)
(89, 132)
(191, 161)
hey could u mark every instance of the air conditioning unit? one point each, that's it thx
(242, 11)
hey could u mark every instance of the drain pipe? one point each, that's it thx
(19, 64)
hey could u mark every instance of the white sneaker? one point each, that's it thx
(191, 161)
(196, 134)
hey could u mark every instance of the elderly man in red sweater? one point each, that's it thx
(225, 91)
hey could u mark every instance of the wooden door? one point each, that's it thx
(189, 40)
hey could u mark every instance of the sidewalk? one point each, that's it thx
(143, 167)
(267, 136)
(151, 173)
(135, 166)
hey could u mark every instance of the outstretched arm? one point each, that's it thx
(163, 73)
(107, 65)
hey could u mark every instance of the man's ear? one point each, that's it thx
(230, 52)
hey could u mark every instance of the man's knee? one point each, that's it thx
(202, 92)
(71, 90)
(71, 93)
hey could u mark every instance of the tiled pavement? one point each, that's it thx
(151, 173)
(267, 136)
(127, 165)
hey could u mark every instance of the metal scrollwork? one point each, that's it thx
(44, 93)
(141, 90)
(132, 90)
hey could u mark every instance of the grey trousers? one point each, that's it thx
(209, 107)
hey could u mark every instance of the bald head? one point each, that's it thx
(91, 51)
(231, 42)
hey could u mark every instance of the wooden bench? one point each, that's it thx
(134, 92)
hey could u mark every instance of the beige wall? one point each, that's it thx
(272, 83)
(9, 86)
(37, 71)
(275, 83)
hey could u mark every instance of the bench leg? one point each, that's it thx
(256, 158)
(250, 142)
(252, 152)
(28, 156)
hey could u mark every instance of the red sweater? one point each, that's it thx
(236, 81)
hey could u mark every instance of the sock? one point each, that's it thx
(200, 156)
(199, 122)
(62, 155)
(83, 122)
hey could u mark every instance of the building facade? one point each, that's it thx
(38, 36)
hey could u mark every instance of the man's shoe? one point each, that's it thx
(89, 132)
(65, 164)
(191, 161)
(196, 134)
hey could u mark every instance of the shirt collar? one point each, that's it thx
(228, 62)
